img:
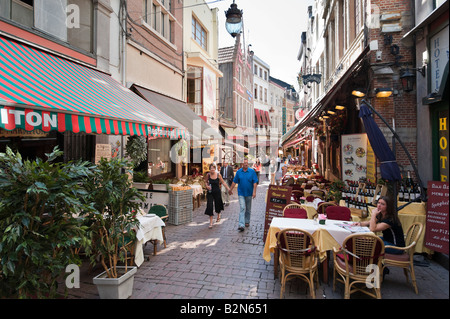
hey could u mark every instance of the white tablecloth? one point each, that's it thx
(196, 189)
(149, 229)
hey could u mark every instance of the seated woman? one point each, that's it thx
(384, 219)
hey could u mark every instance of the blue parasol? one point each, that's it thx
(388, 164)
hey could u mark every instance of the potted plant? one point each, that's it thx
(136, 150)
(113, 226)
(160, 184)
(40, 203)
(141, 180)
(335, 191)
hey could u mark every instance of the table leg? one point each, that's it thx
(325, 270)
(275, 263)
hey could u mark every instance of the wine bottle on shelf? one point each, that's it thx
(409, 188)
(401, 193)
(406, 193)
(417, 194)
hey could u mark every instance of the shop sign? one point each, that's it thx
(312, 78)
(437, 226)
(277, 198)
(18, 132)
(154, 197)
(11, 118)
(443, 145)
(438, 57)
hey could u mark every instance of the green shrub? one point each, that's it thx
(38, 204)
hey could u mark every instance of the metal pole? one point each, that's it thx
(423, 195)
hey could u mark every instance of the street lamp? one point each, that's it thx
(408, 78)
(234, 20)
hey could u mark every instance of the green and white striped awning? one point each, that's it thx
(41, 91)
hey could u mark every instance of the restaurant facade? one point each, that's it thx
(395, 62)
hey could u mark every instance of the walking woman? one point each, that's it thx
(214, 198)
(257, 168)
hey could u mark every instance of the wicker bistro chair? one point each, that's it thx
(318, 192)
(295, 211)
(297, 187)
(322, 207)
(405, 260)
(298, 257)
(338, 213)
(297, 194)
(352, 263)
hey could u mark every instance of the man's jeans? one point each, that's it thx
(245, 203)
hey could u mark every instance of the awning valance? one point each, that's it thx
(39, 90)
(268, 118)
(258, 117)
(233, 133)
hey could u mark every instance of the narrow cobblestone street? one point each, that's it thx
(223, 263)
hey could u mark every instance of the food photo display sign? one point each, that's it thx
(354, 156)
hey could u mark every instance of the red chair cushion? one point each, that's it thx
(338, 213)
(400, 257)
(295, 213)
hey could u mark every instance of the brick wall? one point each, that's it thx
(400, 106)
(151, 41)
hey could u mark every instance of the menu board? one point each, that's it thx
(102, 151)
(277, 198)
(436, 231)
(354, 156)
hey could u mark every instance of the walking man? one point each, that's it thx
(227, 174)
(247, 180)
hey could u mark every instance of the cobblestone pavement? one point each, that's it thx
(223, 263)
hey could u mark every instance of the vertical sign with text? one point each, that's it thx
(277, 198)
(437, 233)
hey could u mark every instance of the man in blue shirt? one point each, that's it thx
(247, 180)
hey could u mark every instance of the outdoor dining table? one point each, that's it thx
(326, 236)
(412, 213)
(149, 230)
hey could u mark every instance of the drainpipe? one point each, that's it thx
(123, 17)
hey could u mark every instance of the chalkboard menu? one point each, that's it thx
(436, 234)
(277, 198)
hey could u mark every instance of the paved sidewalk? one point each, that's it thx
(223, 263)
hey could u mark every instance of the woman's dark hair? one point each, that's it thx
(391, 212)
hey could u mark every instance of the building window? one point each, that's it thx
(195, 89)
(265, 95)
(199, 33)
(265, 75)
(159, 156)
(158, 17)
(67, 20)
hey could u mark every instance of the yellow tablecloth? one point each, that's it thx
(325, 239)
(413, 208)
(414, 212)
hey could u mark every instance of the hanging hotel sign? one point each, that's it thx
(438, 57)
(312, 78)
